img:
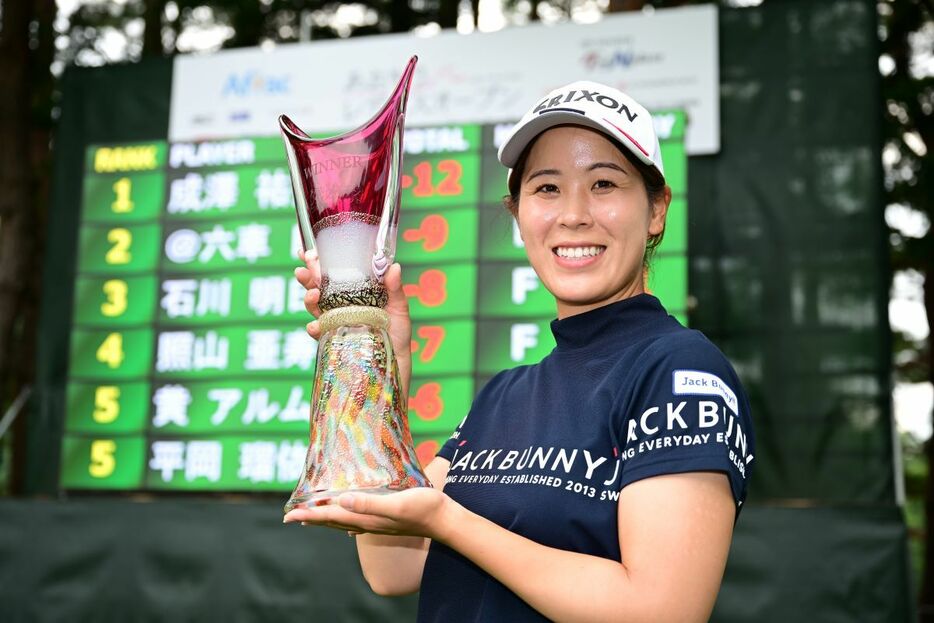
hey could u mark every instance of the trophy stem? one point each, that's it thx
(359, 407)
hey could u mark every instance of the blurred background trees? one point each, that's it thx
(907, 49)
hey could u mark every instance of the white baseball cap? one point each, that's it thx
(593, 105)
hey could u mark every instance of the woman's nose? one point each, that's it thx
(575, 211)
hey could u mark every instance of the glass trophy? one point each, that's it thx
(347, 201)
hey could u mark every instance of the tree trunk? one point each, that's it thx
(15, 199)
(401, 16)
(248, 21)
(926, 592)
(447, 13)
(618, 6)
(153, 11)
(26, 81)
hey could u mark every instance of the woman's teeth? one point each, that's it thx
(575, 252)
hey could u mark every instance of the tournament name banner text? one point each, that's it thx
(666, 60)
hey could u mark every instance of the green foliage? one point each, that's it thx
(916, 472)
(908, 135)
(908, 132)
(105, 32)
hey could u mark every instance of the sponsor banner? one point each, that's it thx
(666, 60)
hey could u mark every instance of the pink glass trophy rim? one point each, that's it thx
(399, 93)
(385, 127)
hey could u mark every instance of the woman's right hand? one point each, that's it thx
(400, 324)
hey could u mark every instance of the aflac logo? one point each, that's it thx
(252, 82)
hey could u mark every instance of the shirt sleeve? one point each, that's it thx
(687, 412)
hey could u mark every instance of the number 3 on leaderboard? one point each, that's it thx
(115, 291)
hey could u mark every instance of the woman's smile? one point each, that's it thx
(585, 251)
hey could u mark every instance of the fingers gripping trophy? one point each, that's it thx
(347, 201)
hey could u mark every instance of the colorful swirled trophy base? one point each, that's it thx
(360, 438)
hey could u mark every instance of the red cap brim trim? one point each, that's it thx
(631, 139)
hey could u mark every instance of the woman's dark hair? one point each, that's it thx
(653, 180)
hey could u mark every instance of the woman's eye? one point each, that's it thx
(604, 184)
(546, 188)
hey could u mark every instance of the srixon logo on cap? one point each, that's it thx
(574, 96)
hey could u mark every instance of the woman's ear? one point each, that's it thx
(517, 238)
(660, 212)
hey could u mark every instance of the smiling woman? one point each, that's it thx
(602, 483)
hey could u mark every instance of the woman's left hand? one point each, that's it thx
(420, 511)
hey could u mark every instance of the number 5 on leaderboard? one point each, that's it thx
(107, 408)
(102, 463)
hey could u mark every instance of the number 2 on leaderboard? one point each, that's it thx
(119, 253)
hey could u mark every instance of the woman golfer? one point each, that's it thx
(603, 483)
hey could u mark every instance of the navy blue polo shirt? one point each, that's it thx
(626, 394)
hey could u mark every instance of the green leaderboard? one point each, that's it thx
(190, 368)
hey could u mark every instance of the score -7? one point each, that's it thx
(433, 336)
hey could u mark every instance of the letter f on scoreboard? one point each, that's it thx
(522, 337)
(524, 280)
